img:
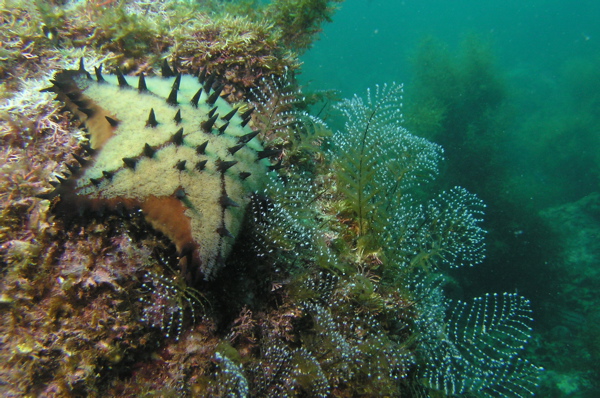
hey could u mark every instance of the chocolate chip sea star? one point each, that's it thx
(169, 146)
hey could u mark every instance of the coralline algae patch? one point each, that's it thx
(170, 146)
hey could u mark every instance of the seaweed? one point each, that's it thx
(378, 161)
(300, 20)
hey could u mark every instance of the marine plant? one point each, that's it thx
(242, 43)
(413, 241)
(377, 160)
(468, 99)
(567, 119)
(300, 20)
(464, 101)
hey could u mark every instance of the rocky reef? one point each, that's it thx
(322, 255)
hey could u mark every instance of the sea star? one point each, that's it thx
(170, 146)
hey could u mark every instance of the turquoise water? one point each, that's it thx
(517, 85)
(371, 41)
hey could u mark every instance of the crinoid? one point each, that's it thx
(169, 146)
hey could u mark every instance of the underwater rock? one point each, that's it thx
(169, 146)
(578, 225)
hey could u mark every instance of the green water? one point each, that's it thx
(511, 89)
(371, 41)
